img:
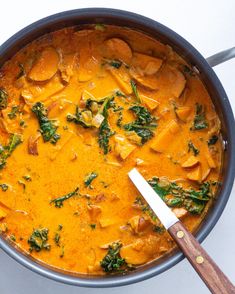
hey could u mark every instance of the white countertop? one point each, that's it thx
(210, 27)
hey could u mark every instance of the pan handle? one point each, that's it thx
(221, 57)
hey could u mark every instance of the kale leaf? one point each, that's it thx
(212, 140)
(191, 147)
(113, 262)
(6, 151)
(105, 131)
(48, 127)
(3, 99)
(4, 187)
(176, 196)
(144, 123)
(14, 111)
(38, 240)
(59, 201)
(200, 121)
(89, 178)
(135, 91)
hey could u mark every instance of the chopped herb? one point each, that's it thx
(6, 151)
(191, 147)
(188, 70)
(89, 178)
(93, 226)
(60, 227)
(57, 235)
(118, 93)
(135, 91)
(143, 125)
(113, 262)
(4, 187)
(115, 63)
(59, 201)
(212, 140)
(48, 127)
(176, 196)
(119, 120)
(104, 130)
(14, 111)
(78, 118)
(3, 99)
(13, 238)
(62, 252)
(200, 121)
(57, 239)
(21, 71)
(27, 178)
(141, 204)
(159, 229)
(22, 123)
(38, 240)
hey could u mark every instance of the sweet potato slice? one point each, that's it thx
(3, 214)
(122, 78)
(146, 64)
(183, 113)
(149, 102)
(161, 141)
(195, 174)
(132, 256)
(116, 48)
(210, 160)
(122, 147)
(190, 162)
(168, 81)
(46, 66)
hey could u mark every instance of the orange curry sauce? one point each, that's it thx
(79, 109)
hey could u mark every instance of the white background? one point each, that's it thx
(210, 27)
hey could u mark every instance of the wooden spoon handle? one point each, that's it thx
(209, 272)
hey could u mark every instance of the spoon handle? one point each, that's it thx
(209, 272)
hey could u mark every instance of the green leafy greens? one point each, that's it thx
(14, 111)
(212, 140)
(200, 121)
(89, 178)
(4, 187)
(113, 262)
(38, 240)
(144, 124)
(135, 91)
(191, 147)
(105, 131)
(59, 202)
(6, 151)
(48, 127)
(3, 99)
(176, 196)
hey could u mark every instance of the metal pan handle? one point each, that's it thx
(221, 57)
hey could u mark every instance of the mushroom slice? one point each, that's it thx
(45, 66)
(116, 48)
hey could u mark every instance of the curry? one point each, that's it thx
(80, 107)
